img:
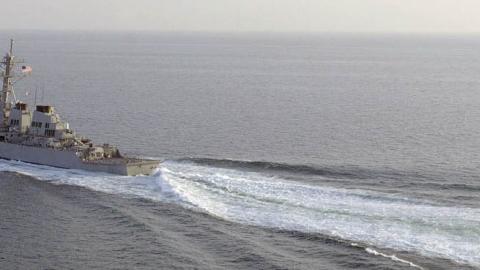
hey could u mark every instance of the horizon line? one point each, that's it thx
(243, 32)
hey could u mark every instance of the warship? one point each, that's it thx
(42, 137)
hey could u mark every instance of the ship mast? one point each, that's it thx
(7, 85)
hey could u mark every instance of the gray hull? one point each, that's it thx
(68, 159)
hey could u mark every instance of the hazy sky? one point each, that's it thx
(244, 15)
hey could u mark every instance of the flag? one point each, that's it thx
(26, 69)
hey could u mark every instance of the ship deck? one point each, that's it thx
(122, 160)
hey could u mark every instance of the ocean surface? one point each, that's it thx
(280, 151)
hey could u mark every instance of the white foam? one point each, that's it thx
(150, 187)
(376, 219)
(392, 257)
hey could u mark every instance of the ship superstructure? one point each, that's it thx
(42, 137)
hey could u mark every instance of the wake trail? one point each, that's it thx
(374, 218)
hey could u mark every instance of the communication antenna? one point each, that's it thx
(35, 100)
(43, 91)
(11, 46)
